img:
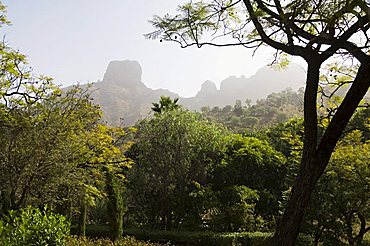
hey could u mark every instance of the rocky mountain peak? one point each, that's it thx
(125, 73)
(207, 88)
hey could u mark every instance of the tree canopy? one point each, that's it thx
(53, 147)
(174, 150)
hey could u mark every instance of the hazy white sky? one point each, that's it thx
(74, 40)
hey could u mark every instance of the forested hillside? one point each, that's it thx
(276, 108)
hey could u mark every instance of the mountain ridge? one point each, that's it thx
(124, 98)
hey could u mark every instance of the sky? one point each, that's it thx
(73, 41)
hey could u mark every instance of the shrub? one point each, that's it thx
(208, 238)
(98, 231)
(235, 209)
(127, 241)
(201, 238)
(30, 226)
(180, 237)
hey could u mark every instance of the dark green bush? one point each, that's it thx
(201, 238)
(206, 238)
(98, 231)
(30, 226)
(127, 241)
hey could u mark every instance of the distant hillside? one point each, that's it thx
(266, 81)
(124, 98)
(276, 108)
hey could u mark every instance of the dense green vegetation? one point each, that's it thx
(182, 172)
(276, 108)
(331, 34)
(33, 227)
(219, 177)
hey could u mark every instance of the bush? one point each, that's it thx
(98, 231)
(235, 210)
(30, 226)
(201, 238)
(208, 238)
(127, 241)
(180, 237)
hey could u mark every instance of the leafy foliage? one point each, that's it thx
(276, 108)
(34, 227)
(188, 172)
(208, 237)
(54, 150)
(255, 164)
(115, 207)
(202, 238)
(127, 241)
(41, 144)
(173, 150)
(165, 104)
(339, 208)
(361, 122)
(234, 209)
(314, 30)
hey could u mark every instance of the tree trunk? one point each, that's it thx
(363, 229)
(290, 224)
(316, 155)
(115, 205)
(81, 225)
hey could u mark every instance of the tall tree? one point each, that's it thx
(42, 146)
(115, 190)
(314, 30)
(174, 150)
